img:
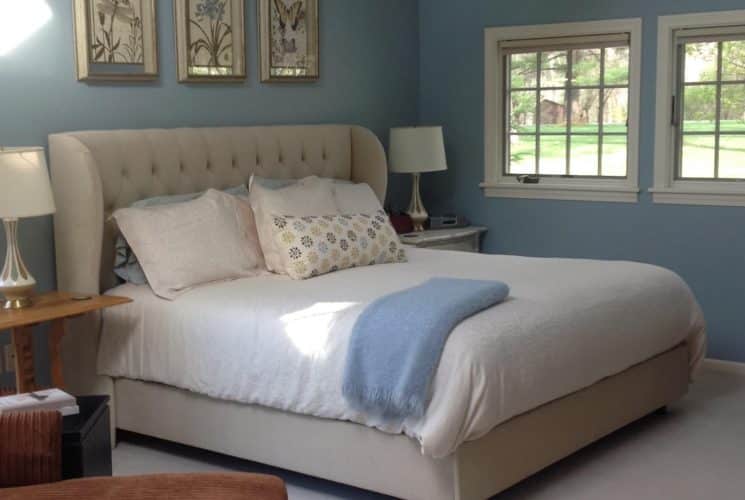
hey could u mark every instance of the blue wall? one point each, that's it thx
(369, 69)
(706, 245)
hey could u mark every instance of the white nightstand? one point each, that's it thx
(464, 239)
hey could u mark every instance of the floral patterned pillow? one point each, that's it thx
(316, 245)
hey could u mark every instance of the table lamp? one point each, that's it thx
(414, 150)
(25, 191)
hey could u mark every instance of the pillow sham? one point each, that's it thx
(183, 245)
(356, 199)
(313, 196)
(250, 230)
(350, 198)
(126, 266)
(316, 245)
(271, 183)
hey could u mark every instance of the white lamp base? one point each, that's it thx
(16, 283)
(416, 208)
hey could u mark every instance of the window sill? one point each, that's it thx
(688, 196)
(616, 194)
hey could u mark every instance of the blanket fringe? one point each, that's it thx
(389, 404)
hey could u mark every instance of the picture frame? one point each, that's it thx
(288, 40)
(210, 40)
(116, 40)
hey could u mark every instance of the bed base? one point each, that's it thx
(393, 464)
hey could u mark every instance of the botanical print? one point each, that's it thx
(210, 37)
(289, 37)
(116, 32)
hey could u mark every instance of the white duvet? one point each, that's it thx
(282, 344)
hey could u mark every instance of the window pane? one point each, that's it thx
(522, 115)
(553, 69)
(732, 157)
(523, 70)
(616, 110)
(552, 155)
(733, 60)
(553, 111)
(699, 108)
(733, 108)
(522, 154)
(586, 67)
(583, 159)
(701, 62)
(617, 66)
(615, 148)
(698, 156)
(585, 110)
(565, 104)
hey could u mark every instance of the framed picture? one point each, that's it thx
(288, 34)
(210, 40)
(116, 39)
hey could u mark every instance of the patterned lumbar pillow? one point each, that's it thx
(311, 246)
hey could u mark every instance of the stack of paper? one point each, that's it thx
(50, 399)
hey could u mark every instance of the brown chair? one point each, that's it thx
(30, 454)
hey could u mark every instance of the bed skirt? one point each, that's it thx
(393, 464)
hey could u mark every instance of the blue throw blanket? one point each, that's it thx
(397, 341)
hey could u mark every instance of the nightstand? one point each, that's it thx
(464, 239)
(52, 307)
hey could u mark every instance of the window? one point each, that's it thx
(710, 105)
(700, 138)
(562, 104)
(568, 109)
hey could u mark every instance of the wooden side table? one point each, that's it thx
(52, 307)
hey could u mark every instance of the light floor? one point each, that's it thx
(696, 451)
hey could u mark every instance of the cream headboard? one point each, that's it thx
(94, 173)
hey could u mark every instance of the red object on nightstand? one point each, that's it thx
(401, 223)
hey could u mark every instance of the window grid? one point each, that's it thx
(601, 105)
(536, 116)
(718, 113)
(568, 88)
(568, 104)
(679, 110)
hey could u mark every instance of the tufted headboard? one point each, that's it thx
(94, 173)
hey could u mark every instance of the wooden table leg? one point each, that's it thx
(24, 351)
(55, 358)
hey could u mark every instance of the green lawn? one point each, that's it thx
(560, 129)
(698, 151)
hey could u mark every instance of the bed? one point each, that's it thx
(579, 350)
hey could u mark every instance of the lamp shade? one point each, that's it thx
(25, 190)
(417, 149)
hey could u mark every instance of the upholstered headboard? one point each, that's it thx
(94, 173)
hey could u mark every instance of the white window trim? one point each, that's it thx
(666, 188)
(496, 184)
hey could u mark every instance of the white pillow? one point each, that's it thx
(274, 183)
(356, 199)
(251, 230)
(188, 244)
(350, 198)
(312, 196)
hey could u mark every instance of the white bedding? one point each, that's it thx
(282, 343)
